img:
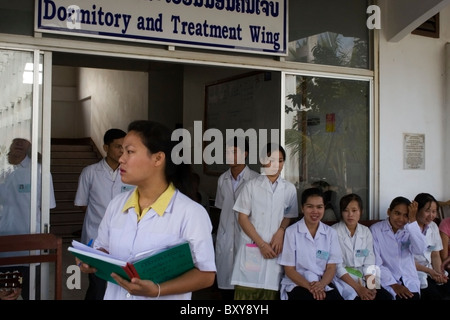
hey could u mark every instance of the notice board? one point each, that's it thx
(248, 101)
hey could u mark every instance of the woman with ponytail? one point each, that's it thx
(158, 213)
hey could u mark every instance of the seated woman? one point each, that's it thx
(310, 253)
(355, 278)
(395, 241)
(428, 264)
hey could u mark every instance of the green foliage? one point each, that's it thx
(328, 154)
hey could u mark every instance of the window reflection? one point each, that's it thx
(327, 135)
(329, 33)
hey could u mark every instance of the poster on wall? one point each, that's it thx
(413, 151)
(252, 26)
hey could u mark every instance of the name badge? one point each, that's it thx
(362, 253)
(24, 188)
(126, 188)
(321, 254)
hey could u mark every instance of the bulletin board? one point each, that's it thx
(239, 103)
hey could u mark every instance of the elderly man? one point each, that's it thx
(15, 203)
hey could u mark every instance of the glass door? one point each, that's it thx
(26, 191)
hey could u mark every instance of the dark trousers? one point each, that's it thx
(382, 294)
(300, 293)
(227, 294)
(432, 292)
(415, 297)
(96, 289)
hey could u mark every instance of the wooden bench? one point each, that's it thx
(444, 210)
(49, 245)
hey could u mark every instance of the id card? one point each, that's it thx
(321, 254)
(362, 253)
(126, 188)
(24, 188)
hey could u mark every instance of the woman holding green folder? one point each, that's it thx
(157, 214)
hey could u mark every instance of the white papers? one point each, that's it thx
(94, 253)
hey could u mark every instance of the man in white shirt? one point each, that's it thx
(229, 186)
(15, 202)
(98, 184)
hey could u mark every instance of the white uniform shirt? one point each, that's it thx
(15, 202)
(227, 238)
(357, 253)
(308, 255)
(15, 199)
(434, 243)
(266, 209)
(394, 254)
(97, 185)
(123, 236)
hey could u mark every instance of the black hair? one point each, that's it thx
(271, 147)
(320, 183)
(113, 134)
(345, 200)
(423, 198)
(312, 192)
(399, 200)
(157, 138)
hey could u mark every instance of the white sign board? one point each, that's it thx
(254, 26)
(413, 151)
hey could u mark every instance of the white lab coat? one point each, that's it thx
(308, 255)
(394, 254)
(227, 237)
(266, 209)
(15, 199)
(434, 243)
(124, 237)
(357, 253)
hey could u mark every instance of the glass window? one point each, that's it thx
(329, 33)
(16, 101)
(327, 137)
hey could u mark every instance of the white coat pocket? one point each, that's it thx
(253, 258)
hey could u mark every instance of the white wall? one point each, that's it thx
(116, 99)
(413, 100)
(65, 118)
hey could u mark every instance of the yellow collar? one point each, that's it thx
(160, 205)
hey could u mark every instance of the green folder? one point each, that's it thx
(354, 272)
(159, 267)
